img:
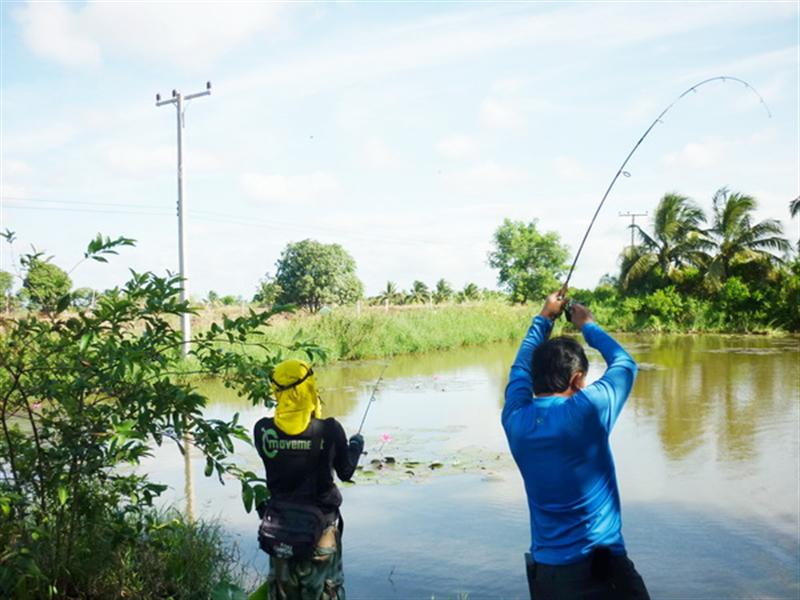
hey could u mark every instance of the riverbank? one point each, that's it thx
(347, 333)
(377, 333)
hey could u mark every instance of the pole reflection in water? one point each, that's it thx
(188, 487)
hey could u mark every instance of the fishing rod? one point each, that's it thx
(622, 171)
(372, 397)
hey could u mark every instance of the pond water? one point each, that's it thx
(707, 456)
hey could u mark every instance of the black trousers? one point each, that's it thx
(603, 576)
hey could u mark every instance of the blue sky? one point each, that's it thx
(404, 131)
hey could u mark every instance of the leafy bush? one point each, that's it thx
(83, 395)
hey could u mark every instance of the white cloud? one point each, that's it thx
(567, 167)
(483, 178)
(142, 161)
(502, 114)
(696, 155)
(187, 34)
(55, 32)
(438, 41)
(16, 169)
(457, 146)
(15, 177)
(39, 140)
(290, 188)
(511, 104)
(14, 191)
(714, 151)
(377, 154)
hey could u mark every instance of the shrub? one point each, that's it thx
(84, 394)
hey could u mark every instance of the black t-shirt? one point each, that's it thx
(300, 466)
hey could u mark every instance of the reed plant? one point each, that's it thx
(347, 335)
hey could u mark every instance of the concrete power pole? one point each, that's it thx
(178, 100)
(633, 221)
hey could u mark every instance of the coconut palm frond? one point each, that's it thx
(646, 239)
(638, 268)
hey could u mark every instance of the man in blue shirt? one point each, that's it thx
(557, 428)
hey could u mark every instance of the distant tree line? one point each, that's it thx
(724, 270)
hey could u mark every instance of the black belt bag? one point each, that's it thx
(291, 529)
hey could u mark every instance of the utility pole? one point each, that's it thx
(633, 221)
(178, 100)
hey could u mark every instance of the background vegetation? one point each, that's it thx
(86, 394)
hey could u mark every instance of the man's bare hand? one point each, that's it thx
(553, 305)
(580, 315)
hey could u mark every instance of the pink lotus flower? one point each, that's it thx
(386, 438)
(36, 406)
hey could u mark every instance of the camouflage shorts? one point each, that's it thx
(291, 579)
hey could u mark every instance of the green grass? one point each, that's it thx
(163, 556)
(377, 333)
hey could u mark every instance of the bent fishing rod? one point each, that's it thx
(372, 397)
(622, 171)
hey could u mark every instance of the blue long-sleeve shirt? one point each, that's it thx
(561, 448)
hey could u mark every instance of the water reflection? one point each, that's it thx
(707, 453)
(725, 388)
(700, 390)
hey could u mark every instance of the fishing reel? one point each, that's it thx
(568, 310)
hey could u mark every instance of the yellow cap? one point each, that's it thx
(295, 390)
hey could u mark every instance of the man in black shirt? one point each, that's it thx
(300, 450)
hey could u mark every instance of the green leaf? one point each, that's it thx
(86, 339)
(63, 494)
(247, 496)
(209, 467)
(63, 303)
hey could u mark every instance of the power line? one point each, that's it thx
(215, 217)
(87, 210)
(79, 202)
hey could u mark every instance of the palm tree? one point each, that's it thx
(419, 293)
(794, 206)
(677, 241)
(389, 293)
(739, 240)
(471, 292)
(443, 291)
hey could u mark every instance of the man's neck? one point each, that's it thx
(565, 394)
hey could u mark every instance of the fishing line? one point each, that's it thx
(372, 397)
(622, 171)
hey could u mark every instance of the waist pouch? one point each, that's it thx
(291, 529)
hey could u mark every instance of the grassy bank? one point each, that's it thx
(377, 333)
(156, 555)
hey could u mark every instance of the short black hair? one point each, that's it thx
(554, 362)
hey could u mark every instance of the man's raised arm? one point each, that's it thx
(519, 390)
(610, 392)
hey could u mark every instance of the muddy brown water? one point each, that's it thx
(706, 453)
